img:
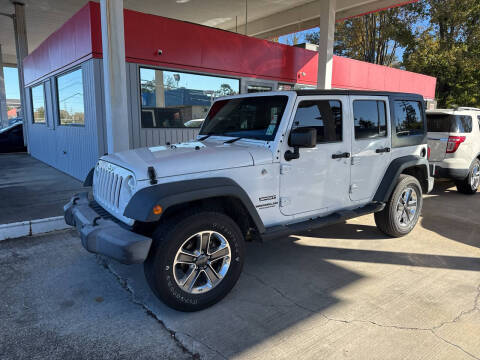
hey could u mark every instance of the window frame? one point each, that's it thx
(139, 84)
(57, 97)
(42, 84)
(411, 140)
(376, 100)
(323, 98)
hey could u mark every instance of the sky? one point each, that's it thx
(11, 83)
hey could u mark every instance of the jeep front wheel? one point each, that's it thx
(402, 211)
(195, 260)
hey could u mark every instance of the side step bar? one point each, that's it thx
(334, 218)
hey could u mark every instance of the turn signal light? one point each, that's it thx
(453, 143)
(157, 209)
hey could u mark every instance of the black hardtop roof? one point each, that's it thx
(312, 92)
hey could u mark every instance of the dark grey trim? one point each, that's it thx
(394, 170)
(103, 236)
(335, 218)
(174, 193)
(89, 179)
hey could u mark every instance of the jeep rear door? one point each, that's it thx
(371, 145)
(318, 181)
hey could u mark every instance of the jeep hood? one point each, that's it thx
(190, 157)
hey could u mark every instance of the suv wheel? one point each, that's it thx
(402, 211)
(195, 260)
(470, 184)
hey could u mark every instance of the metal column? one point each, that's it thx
(326, 41)
(115, 76)
(22, 51)
(3, 95)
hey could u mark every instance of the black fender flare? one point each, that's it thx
(89, 179)
(166, 195)
(394, 170)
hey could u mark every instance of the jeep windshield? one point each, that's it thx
(247, 117)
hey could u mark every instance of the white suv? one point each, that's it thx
(454, 145)
(264, 165)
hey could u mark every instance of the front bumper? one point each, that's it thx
(104, 236)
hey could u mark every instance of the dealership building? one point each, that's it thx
(100, 84)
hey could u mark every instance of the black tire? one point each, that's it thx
(387, 220)
(465, 186)
(168, 239)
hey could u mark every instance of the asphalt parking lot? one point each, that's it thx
(345, 291)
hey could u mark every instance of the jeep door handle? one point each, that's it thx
(341, 155)
(384, 150)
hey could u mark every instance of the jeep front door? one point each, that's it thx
(371, 143)
(318, 180)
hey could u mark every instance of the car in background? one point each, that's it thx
(11, 138)
(454, 146)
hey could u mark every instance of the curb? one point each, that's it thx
(32, 227)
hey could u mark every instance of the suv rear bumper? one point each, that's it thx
(103, 236)
(448, 173)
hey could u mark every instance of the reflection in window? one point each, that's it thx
(180, 100)
(323, 115)
(38, 104)
(70, 98)
(370, 119)
(408, 118)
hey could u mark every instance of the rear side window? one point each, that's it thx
(408, 118)
(370, 119)
(323, 115)
(449, 123)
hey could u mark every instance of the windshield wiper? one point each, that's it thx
(231, 141)
(206, 136)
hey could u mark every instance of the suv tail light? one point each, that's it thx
(453, 143)
(428, 152)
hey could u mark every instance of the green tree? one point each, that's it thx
(375, 37)
(449, 49)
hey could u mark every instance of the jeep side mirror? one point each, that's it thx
(305, 137)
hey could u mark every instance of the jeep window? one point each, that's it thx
(370, 119)
(449, 123)
(173, 99)
(248, 117)
(37, 95)
(408, 118)
(323, 115)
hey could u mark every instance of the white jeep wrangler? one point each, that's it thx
(264, 165)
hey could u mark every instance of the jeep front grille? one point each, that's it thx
(110, 189)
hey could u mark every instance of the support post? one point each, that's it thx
(326, 41)
(20, 30)
(3, 95)
(115, 75)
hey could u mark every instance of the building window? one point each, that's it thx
(370, 119)
(38, 104)
(323, 115)
(258, 88)
(71, 108)
(180, 100)
(283, 87)
(408, 118)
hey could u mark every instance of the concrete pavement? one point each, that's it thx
(345, 291)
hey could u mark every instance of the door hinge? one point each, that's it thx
(353, 187)
(285, 169)
(284, 201)
(354, 160)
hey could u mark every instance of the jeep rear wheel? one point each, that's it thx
(470, 184)
(402, 211)
(195, 260)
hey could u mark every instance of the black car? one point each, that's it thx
(11, 138)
